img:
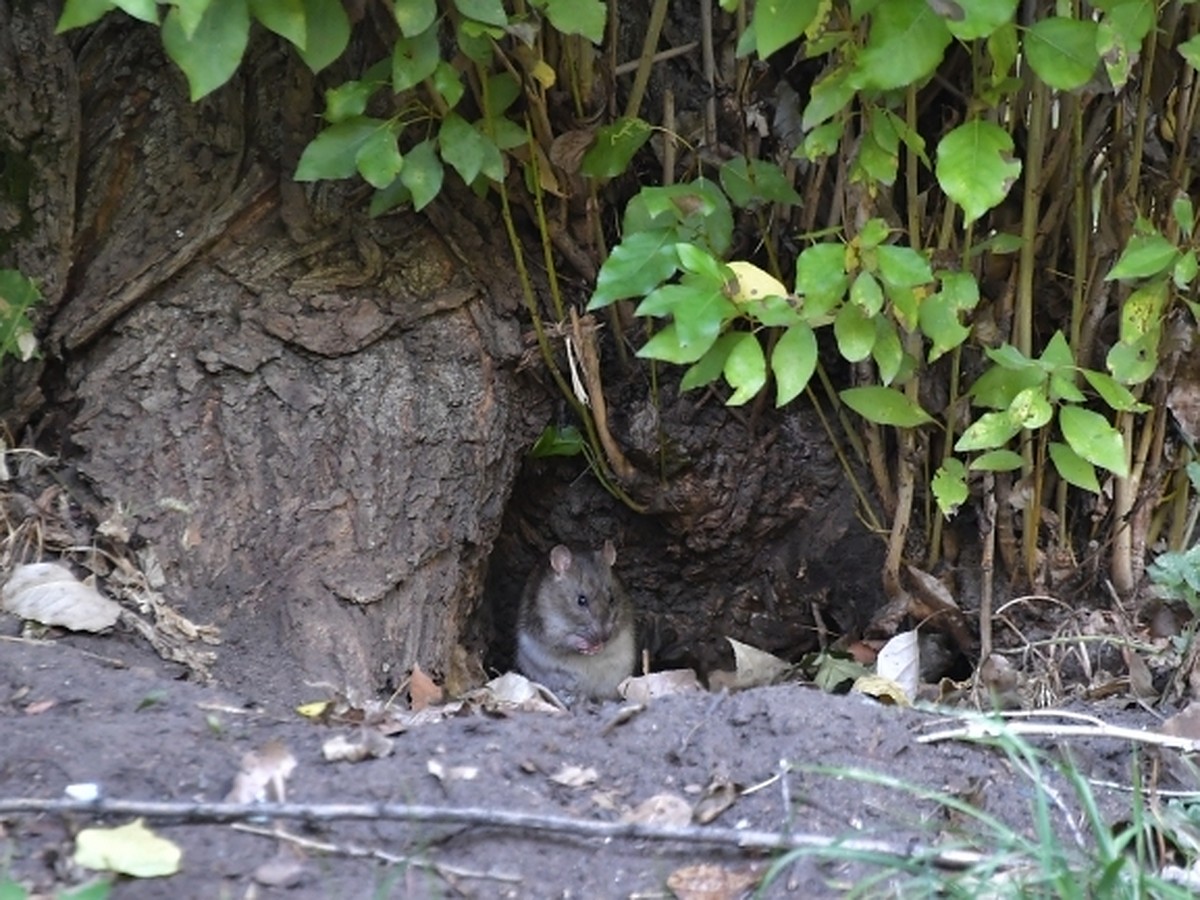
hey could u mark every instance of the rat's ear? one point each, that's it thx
(560, 559)
(609, 554)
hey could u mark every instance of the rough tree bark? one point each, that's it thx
(310, 420)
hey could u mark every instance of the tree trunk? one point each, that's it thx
(310, 419)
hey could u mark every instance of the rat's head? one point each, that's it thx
(580, 602)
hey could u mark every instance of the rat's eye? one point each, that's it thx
(582, 600)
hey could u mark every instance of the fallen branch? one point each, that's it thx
(981, 730)
(325, 812)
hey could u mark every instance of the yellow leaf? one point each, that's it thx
(754, 284)
(129, 850)
(313, 710)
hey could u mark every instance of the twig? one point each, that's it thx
(356, 852)
(974, 731)
(494, 818)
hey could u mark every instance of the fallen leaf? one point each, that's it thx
(710, 882)
(50, 594)
(129, 850)
(643, 688)
(284, 869)
(1141, 681)
(669, 810)
(371, 745)
(575, 776)
(422, 690)
(1184, 724)
(718, 796)
(882, 689)
(899, 661)
(755, 667)
(314, 710)
(452, 773)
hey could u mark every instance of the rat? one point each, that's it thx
(575, 631)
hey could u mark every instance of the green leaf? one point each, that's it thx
(949, 486)
(614, 148)
(873, 233)
(448, 83)
(709, 367)
(821, 278)
(975, 166)
(745, 368)
(78, 13)
(191, 12)
(1115, 394)
(1057, 354)
(830, 95)
(461, 146)
(697, 212)
(333, 153)
(903, 267)
(1063, 387)
(636, 266)
(1073, 468)
(1185, 270)
(665, 345)
(414, 16)
(347, 101)
(142, 10)
(938, 318)
(989, 431)
(905, 45)
(1092, 437)
(490, 12)
(378, 158)
(855, 333)
(888, 352)
(565, 441)
(1142, 311)
(822, 141)
(1144, 256)
(390, 197)
(866, 294)
(878, 151)
(1062, 51)
(211, 56)
(774, 312)
(583, 17)
(327, 34)
(1133, 363)
(413, 60)
(779, 22)
(996, 388)
(284, 17)
(997, 461)
(885, 406)
(1031, 409)
(793, 362)
(18, 294)
(422, 174)
(905, 306)
(751, 182)
(979, 18)
(1190, 51)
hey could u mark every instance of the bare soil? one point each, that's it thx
(106, 711)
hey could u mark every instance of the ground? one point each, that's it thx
(85, 711)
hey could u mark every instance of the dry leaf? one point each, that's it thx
(882, 689)
(668, 810)
(720, 794)
(575, 776)
(710, 882)
(643, 688)
(1141, 681)
(1184, 724)
(755, 667)
(422, 691)
(899, 661)
(284, 869)
(371, 745)
(453, 773)
(51, 594)
(132, 849)
(263, 775)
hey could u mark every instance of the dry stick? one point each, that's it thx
(661, 56)
(991, 729)
(492, 818)
(642, 78)
(709, 73)
(356, 852)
